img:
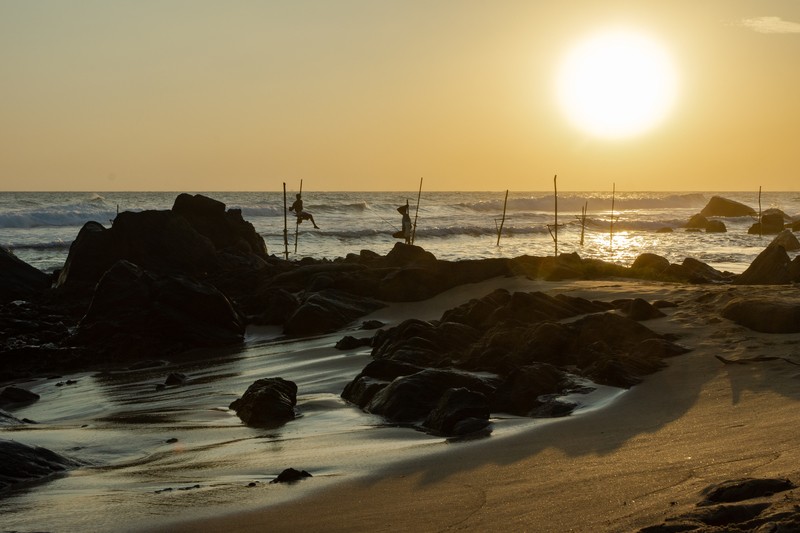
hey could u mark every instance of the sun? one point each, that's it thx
(617, 83)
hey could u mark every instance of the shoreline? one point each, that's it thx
(648, 454)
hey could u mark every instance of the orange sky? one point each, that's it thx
(199, 95)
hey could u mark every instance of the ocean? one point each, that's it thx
(154, 455)
(39, 227)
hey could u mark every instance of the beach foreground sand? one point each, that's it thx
(629, 465)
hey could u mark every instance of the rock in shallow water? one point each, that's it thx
(268, 402)
(22, 463)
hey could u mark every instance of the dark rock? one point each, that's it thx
(134, 309)
(723, 207)
(7, 419)
(291, 475)
(723, 515)
(694, 271)
(697, 221)
(518, 394)
(267, 402)
(18, 279)
(16, 395)
(766, 316)
(552, 407)
(639, 309)
(454, 406)
(770, 267)
(405, 255)
(22, 463)
(372, 324)
(716, 226)
(348, 342)
(736, 490)
(412, 398)
(650, 263)
(226, 230)
(787, 240)
(175, 378)
(273, 305)
(328, 311)
(770, 224)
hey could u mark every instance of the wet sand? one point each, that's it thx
(645, 457)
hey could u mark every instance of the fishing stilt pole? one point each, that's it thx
(297, 223)
(582, 219)
(760, 222)
(554, 228)
(502, 220)
(611, 231)
(414, 231)
(285, 226)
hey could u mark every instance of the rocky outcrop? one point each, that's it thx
(16, 395)
(18, 279)
(327, 311)
(20, 463)
(133, 309)
(770, 267)
(267, 402)
(769, 224)
(718, 206)
(515, 336)
(766, 316)
(787, 240)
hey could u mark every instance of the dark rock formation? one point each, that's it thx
(16, 395)
(516, 336)
(770, 267)
(327, 311)
(766, 316)
(133, 309)
(723, 207)
(291, 475)
(720, 510)
(22, 463)
(716, 226)
(18, 279)
(770, 224)
(640, 309)
(787, 240)
(736, 490)
(697, 221)
(650, 265)
(455, 407)
(348, 342)
(694, 271)
(267, 402)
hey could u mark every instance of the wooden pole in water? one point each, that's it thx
(285, 226)
(582, 219)
(414, 231)
(555, 228)
(760, 228)
(502, 220)
(297, 224)
(611, 232)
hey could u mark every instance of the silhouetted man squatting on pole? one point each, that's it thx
(302, 215)
(405, 233)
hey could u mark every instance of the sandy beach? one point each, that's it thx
(629, 465)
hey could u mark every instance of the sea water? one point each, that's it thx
(39, 227)
(156, 454)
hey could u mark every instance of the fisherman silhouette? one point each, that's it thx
(405, 233)
(302, 215)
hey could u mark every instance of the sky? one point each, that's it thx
(360, 95)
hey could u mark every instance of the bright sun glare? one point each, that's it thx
(616, 84)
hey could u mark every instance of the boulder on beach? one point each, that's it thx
(787, 240)
(765, 316)
(133, 308)
(718, 206)
(17, 395)
(20, 463)
(195, 237)
(770, 267)
(18, 279)
(327, 311)
(268, 402)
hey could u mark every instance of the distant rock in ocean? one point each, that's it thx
(718, 206)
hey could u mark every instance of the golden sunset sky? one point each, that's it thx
(358, 95)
